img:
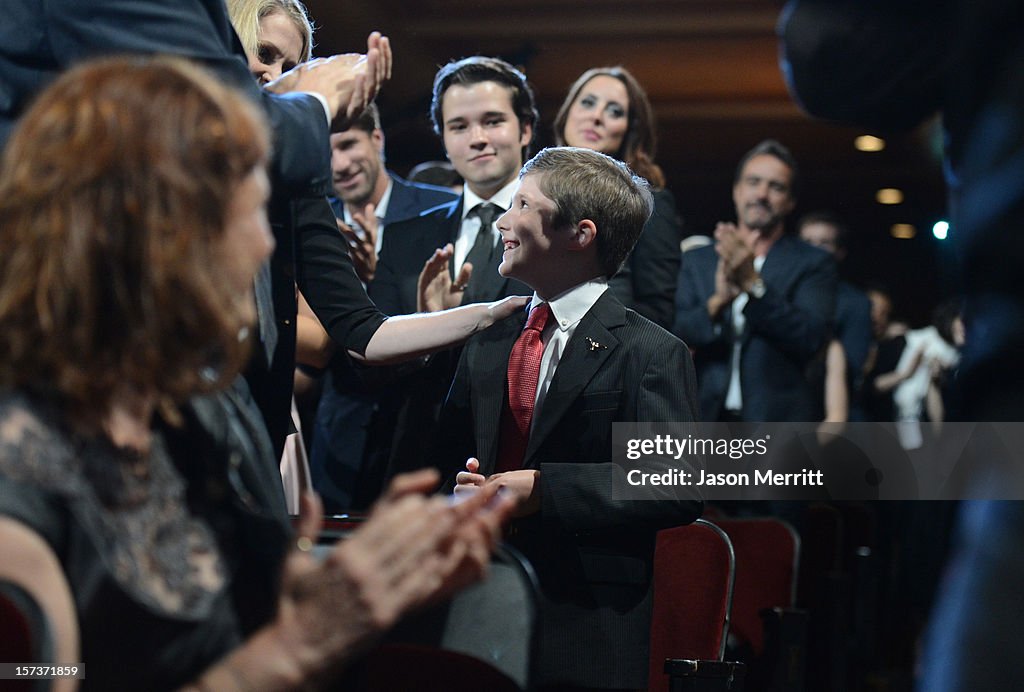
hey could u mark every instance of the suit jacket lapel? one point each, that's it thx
(489, 284)
(449, 231)
(775, 272)
(578, 365)
(400, 206)
(778, 264)
(490, 388)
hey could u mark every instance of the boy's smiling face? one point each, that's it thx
(532, 252)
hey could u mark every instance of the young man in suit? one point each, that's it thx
(348, 435)
(535, 408)
(757, 305)
(484, 111)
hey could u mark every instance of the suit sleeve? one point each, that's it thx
(327, 279)
(579, 497)
(199, 31)
(799, 323)
(692, 323)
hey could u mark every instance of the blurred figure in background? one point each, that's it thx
(852, 324)
(889, 66)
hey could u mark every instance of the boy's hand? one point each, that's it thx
(469, 481)
(524, 487)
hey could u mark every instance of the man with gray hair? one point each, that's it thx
(757, 305)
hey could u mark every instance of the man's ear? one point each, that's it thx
(583, 234)
(525, 134)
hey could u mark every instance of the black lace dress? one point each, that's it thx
(172, 559)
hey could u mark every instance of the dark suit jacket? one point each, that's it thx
(592, 552)
(785, 331)
(416, 394)
(37, 42)
(647, 282)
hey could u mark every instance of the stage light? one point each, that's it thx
(889, 195)
(869, 143)
(903, 231)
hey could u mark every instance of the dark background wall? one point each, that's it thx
(711, 70)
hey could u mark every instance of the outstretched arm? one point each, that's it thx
(407, 336)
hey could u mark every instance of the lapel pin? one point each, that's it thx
(594, 345)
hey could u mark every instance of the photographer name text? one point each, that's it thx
(679, 477)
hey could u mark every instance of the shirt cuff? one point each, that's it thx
(323, 102)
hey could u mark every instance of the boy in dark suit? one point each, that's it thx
(535, 409)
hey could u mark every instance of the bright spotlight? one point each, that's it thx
(869, 143)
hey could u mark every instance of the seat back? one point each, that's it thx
(25, 634)
(486, 634)
(767, 560)
(694, 573)
(394, 667)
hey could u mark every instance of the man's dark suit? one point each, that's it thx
(592, 552)
(347, 428)
(785, 331)
(416, 395)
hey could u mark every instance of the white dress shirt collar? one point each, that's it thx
(569, 307)
(503, 198)
(381, 208)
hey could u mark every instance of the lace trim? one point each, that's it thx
(132, 507)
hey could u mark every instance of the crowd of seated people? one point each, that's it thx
(179, 233)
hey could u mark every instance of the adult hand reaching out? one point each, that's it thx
(348, 82)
